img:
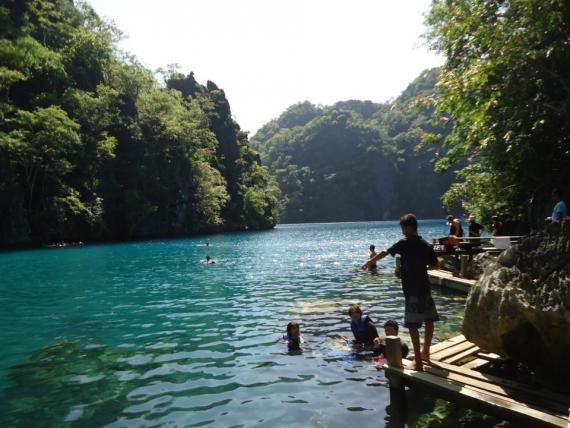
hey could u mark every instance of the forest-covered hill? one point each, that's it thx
(93, 147)
(356, 160)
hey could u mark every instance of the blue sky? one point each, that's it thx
(269, 54)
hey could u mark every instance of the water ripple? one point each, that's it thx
(142, 334)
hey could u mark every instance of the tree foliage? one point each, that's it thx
(93, 147)
(506, 87)
(355, 160)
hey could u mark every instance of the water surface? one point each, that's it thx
(143, 334)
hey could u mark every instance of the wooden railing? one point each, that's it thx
(487, 242)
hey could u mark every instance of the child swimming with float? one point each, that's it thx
(363, 329)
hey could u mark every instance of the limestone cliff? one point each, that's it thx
(520, 307)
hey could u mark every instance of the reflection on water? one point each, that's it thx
(142, 334)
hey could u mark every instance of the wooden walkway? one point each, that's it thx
(446, 279)
(452, 376)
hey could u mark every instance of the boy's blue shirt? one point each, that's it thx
(560, 210)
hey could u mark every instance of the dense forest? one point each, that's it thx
(357, 160)
(505, 86)
(92, 146)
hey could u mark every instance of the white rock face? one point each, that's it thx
(520, 307)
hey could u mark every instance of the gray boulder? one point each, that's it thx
(520, 307)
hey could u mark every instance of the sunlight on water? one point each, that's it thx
(142, 334)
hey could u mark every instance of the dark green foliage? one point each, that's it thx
(355, 160)
(92, 147)
(506, 86)
(449, 415)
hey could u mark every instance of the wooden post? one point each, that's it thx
(394, 352)
(397, 388)
(464, 264)
(398, 266)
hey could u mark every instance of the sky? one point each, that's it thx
(270, 54)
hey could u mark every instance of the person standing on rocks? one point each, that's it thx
(416, 255)
(560, 210)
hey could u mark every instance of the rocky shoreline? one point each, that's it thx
(520, 306)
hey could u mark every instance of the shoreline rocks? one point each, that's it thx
(520, 307)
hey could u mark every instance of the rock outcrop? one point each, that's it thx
(520, 307)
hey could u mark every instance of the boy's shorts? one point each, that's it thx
(419, 309)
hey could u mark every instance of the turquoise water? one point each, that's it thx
(143, 334)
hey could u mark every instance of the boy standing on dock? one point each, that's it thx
(416, 255)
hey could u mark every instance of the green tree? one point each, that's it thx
(93, 147)
(355, 160)
(506, 88)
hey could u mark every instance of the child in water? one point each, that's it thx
(372, 254)
(391, 329)
(363, 328)
(293, 336)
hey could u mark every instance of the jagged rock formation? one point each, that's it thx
(520, 307)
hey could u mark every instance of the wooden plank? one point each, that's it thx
(531, 399)
(446, 279)
(447, 343)
(476, 363)
(464, 288)
(454, 350)
(469, 397)
(533, 406)
(461, 355)
(439, 273)
(489, 356)
(547, 395)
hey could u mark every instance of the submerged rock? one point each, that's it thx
(520, 307)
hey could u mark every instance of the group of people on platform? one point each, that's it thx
(498, 225)
(416, 256)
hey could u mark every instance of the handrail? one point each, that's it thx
(479, 238)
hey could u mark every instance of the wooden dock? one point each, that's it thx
(446, 279)
(452, 375)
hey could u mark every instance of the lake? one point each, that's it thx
(143, 334)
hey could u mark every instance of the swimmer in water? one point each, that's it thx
(363, 328)
(373, 253)
(391, 328)
(209, 261)
(293, 336)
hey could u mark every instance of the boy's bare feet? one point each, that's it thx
(416, 366)
(425, 357)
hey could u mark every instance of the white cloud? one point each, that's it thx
(269, 54)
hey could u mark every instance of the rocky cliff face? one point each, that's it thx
(520, 307)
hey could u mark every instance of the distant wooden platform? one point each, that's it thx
(452, 376)
(446, 279)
